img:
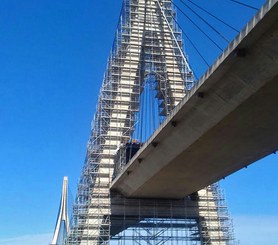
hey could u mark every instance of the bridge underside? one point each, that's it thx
(228, 121)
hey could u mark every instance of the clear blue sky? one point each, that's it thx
(52, 58)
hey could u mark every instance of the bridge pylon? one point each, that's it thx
(62, 223)
(148, 45)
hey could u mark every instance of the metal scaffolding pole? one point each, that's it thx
(148, 44)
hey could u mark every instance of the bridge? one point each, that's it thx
(213, 127)
(227, 121)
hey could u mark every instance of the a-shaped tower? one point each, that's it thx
(148, 46)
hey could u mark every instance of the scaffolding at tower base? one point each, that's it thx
(148, 43)
(164, 221)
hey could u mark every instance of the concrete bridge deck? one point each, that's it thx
(228, 121)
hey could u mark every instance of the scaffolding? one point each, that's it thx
(148, 45)
(196, 219)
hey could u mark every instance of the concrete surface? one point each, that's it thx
(228, 120)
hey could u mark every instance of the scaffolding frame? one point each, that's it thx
(171, 221)
(148, 42)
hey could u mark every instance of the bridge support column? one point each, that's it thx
(148, 43)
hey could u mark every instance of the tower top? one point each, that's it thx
(62, 223)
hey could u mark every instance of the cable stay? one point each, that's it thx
(181, 51)
(206, 22)
(202, 31)
(190, 41)
(195, 48)
(244, 4)
(214, 16)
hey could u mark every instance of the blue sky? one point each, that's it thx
(52, 58)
